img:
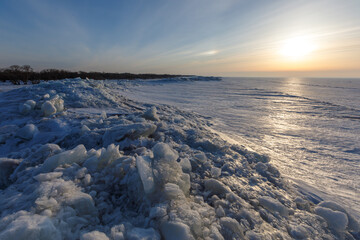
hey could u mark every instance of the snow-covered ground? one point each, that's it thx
(79, 161)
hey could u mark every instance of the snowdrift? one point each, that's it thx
(78, 161)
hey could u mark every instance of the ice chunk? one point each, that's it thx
(353, 223)
(143, 165)
(166, 168)
(24, 108)
(232, 228)
(107, 157)
(184, 183)
(173, 191)
(31, 103)
(216, 187)
(117, 232)
(164, 152)
(335, 219)
(27, 106)
(85, 129)
(91, 163)
(81, 173)
(38, 157)
(132, 131)
(27, 132)
(298, 232)
(151, 114)
(94, 235)
(215, 172)
(82, 203)
(200, 157)
(261, 167)
(158, 211)
(47, 176)
(175, 231)
(58, 104)
(7, 166)
(44, 203)
(87, 179)
(103, 115)
(185, 165)
(273, 205)
(143, 234)
(76, 155)
(220, 212)
(48, 108)
(46, 96)
(30, 227)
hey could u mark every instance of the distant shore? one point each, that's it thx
(17, 74)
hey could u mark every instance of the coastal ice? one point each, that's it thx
(80, 161)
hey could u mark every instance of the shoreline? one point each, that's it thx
(141, 172)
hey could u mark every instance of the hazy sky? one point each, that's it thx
(207, 37)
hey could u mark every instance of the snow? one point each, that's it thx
(117, 173)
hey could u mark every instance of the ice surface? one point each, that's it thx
(121, 175)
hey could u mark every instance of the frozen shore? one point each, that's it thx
(78, 161)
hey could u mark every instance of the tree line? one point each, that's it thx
(17, 74)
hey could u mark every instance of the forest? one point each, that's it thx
(25, 73)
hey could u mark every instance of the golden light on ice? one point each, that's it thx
(297, 48)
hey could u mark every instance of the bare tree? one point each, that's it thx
(26, 69)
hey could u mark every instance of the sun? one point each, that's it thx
(297, 48)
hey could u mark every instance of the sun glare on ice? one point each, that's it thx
(297, 48)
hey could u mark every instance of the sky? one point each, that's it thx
(204, 37)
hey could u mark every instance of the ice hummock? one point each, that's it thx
(117, 169)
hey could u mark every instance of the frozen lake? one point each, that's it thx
(309, 127)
